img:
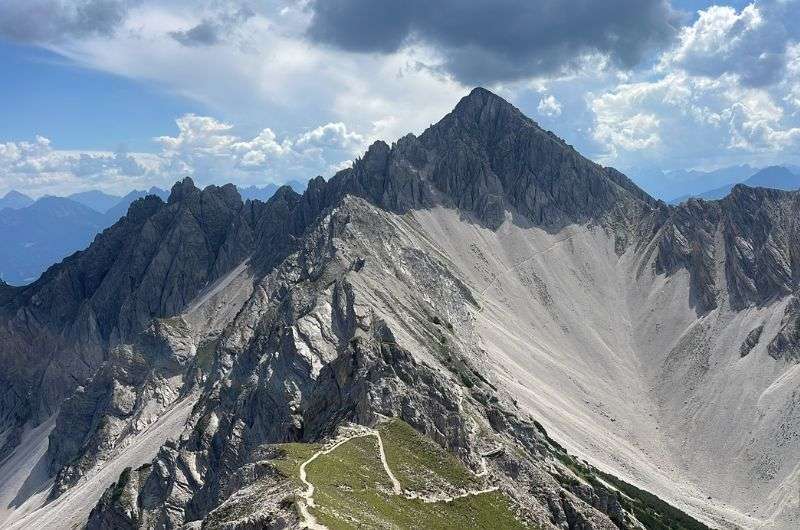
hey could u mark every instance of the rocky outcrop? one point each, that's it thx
(56, 332)
(786, 344)
(753, 230)
(130, 390)
(687, 240)
(751, 341)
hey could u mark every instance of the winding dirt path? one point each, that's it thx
(307, 495)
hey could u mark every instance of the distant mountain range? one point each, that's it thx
(96, 200)
(35, 234)
(14, 199)
(263, 193)
(776, 177)
(670, 185)
(39, 233)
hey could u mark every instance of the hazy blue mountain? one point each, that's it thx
(14, 199)
(776, 177)
(121, 207)
(672, 185)
(263, 193)
(95, 199)
(41, 234)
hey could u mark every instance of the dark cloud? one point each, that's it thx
(212, 31)
(495, 40)
(40, 21)
(204, 34)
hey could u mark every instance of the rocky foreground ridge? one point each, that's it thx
(247, 324)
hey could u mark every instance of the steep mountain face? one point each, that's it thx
(482, 282)
(149, 264)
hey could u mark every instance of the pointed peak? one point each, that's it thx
(480, 98)
(182, 189)
(15, 194)
(483, 112)
(482, 93)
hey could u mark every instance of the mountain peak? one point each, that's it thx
(483, 95)
(484, 107)
(182, 189)
(14, 199)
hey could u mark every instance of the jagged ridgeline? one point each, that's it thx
(473, 328)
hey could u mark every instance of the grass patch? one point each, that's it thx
(292, 455)
(352, 490)
(650, 510)
(419, 463)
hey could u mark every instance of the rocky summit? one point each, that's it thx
(473, 327)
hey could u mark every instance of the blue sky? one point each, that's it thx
(81, 107)
(270, 91)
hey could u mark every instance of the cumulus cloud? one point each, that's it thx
(751, 43)
(726, 92)
(42, 21)
(36, 168)
(207, 148)
(484, 41)
(204, 147)
(549, 106)
(682, 119)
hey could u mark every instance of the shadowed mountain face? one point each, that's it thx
(469, 281)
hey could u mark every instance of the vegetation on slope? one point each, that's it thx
(352, 488)
(650, 510)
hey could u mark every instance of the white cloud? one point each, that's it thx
(714, 38)
(208, 148)
(692, 117)
(331, 135)
(549, 106)
(267, 72)
(36, 168)
(727, 92)
(205, 148)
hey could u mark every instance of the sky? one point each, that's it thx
(126, 94)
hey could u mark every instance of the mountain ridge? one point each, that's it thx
(775, 177)
(273, 319)
(14, 199)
